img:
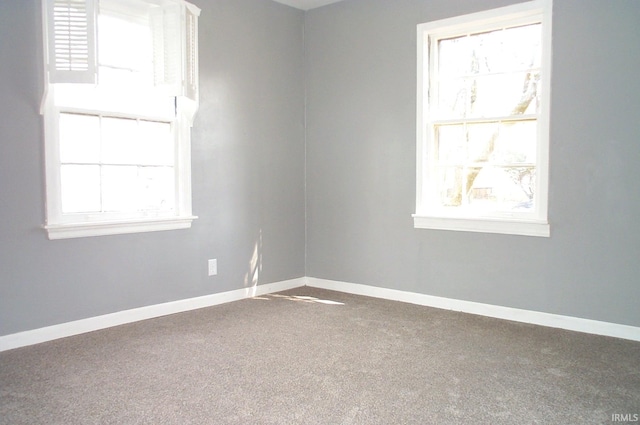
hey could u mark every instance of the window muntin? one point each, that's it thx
(483, 120)
(117, 149)
(486, 90)
(116, 165)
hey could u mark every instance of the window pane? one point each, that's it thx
(451, 143)
(156, 143)
(504, 94)
(119, 141)
(517, 143)
(468, 55)
(132, 188)
(157, 188)
(525, 179)
(508, 50)
(504, 143)
(125, 45)
(502, 188)
(466, 144)
(488, 95)
(481, 141)
(119, 188)
(449, 186)
(454, 98)
(485, 189)
(455, 56)
(80, 186)
(512, 49)
(79, 138)
(494, 73)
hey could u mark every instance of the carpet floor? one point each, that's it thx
(311, 356)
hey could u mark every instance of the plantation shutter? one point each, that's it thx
(71, 41)
(191, 62)
(175, 48)
(165, 24)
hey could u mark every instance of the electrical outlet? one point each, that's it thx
(213, 267)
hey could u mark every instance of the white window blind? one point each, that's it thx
(71, 54)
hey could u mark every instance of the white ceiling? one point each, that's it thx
(307, 4)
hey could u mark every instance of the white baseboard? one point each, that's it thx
(507, 313)
(36, 336)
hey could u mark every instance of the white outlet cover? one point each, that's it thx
(213, 267)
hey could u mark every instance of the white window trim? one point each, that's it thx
(78, 230)
(427, 217)
(488, 225)
(61, 226)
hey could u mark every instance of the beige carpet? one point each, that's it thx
(310, 356)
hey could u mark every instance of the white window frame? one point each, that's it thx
(428, 214)
(184, 86)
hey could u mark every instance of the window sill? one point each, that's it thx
(80, 230)
(484, 225)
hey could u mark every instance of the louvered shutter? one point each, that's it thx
(191, 48)
(167, 54)
(71, 40)
(175, 48)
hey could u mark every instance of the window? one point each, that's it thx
(121, 92)
(483, 121)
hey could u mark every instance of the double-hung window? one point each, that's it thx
(483, 121)
(121, 91)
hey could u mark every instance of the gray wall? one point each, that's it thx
(361, 77)
(248, 177)
(358, 60)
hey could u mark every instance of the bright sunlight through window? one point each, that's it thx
(120, 98)
(483, 102)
